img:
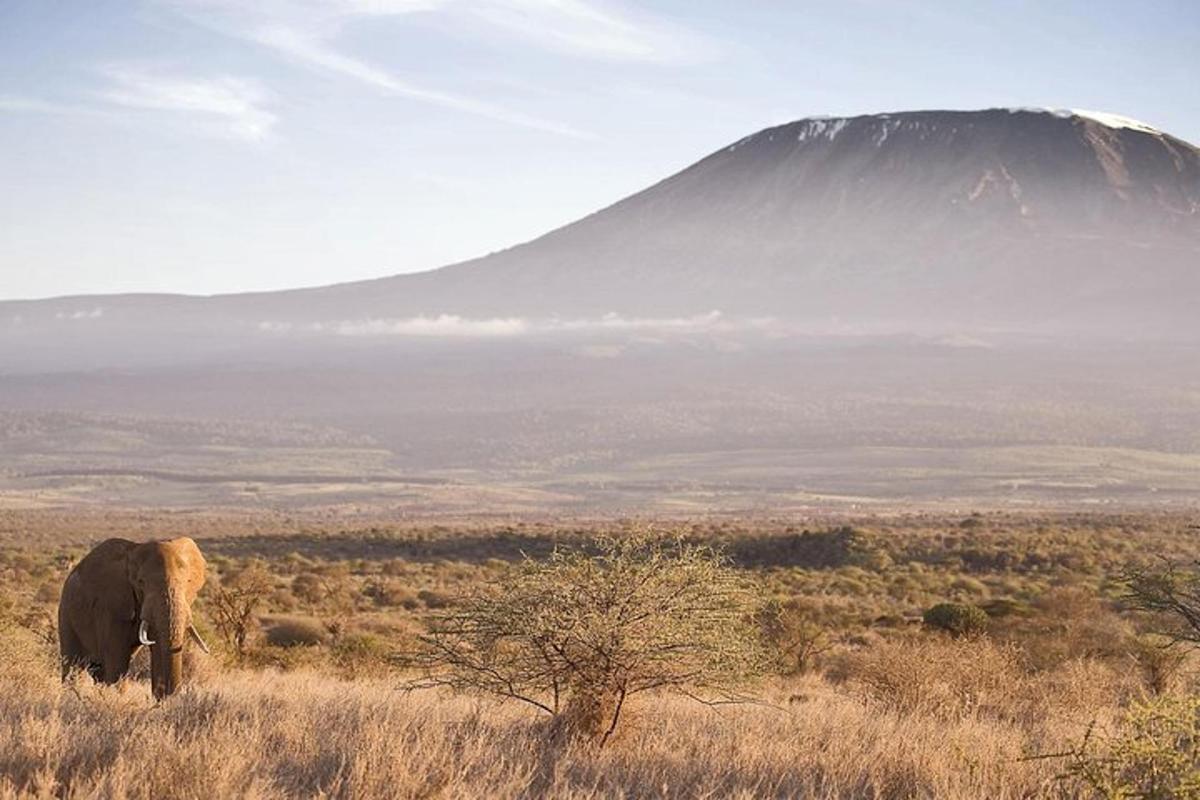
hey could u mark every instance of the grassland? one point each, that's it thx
(878, 706)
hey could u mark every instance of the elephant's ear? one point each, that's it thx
(195, 568)
(104, 575)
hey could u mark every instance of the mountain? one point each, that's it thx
(1001, 217)
(1004, 219)
(993, 306)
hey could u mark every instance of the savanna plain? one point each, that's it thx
(955, 655)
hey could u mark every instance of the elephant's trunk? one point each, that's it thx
(166, 670)
(169, 629)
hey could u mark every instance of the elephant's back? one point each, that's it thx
(108, 550)
(102, 564)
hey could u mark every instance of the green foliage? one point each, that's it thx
(957, 619)
(577, 635)
(843, 546)
(1155, 754)
(361, 655)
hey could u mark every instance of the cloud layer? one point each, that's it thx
(450, 325)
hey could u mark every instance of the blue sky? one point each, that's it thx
(208, 146)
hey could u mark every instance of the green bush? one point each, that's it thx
(361, 655)
(1155, 754)
(957, 619)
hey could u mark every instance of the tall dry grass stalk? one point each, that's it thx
(271, 735)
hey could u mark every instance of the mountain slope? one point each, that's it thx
(1021, 220)
(995, 215)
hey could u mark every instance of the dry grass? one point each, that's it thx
(957, 679)
(268, 735)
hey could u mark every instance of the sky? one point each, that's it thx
(212, 146)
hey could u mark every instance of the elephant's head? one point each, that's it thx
(166, 576)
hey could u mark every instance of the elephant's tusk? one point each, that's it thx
(196, 635)
(142, 637)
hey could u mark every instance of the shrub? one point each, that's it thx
(957, 619)
(949, 678)
(1160, 662)
(361, 655)
(330, 593)
(26, 657)
(233, 601)
(1004, 607)
(1155, 753)
(391, 593)
(1173, 595)
(309, 588)
(434, 599)
(578, 635)
(1078, 689)
(796, 635)
(1071, 623)
(294, 632)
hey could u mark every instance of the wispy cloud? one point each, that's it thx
(32, 105)
(587, 29)
(306, 32)
(227, 106)
(224, 107)
(315, 52)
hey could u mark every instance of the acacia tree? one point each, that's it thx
(330, 593)
(233, 602)
(1171, 593)
(796, 634)
(578, 635)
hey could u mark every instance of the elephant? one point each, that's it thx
(123, 595)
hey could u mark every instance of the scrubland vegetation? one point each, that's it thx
(990, 655)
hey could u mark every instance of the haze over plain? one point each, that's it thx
(941, 306)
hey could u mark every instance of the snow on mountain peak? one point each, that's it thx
(828, 127)
(883, 126)
(1115, 120)
(1103, 117)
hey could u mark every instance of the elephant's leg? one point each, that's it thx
(116, 663)
(117, 652)
(70, 651)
